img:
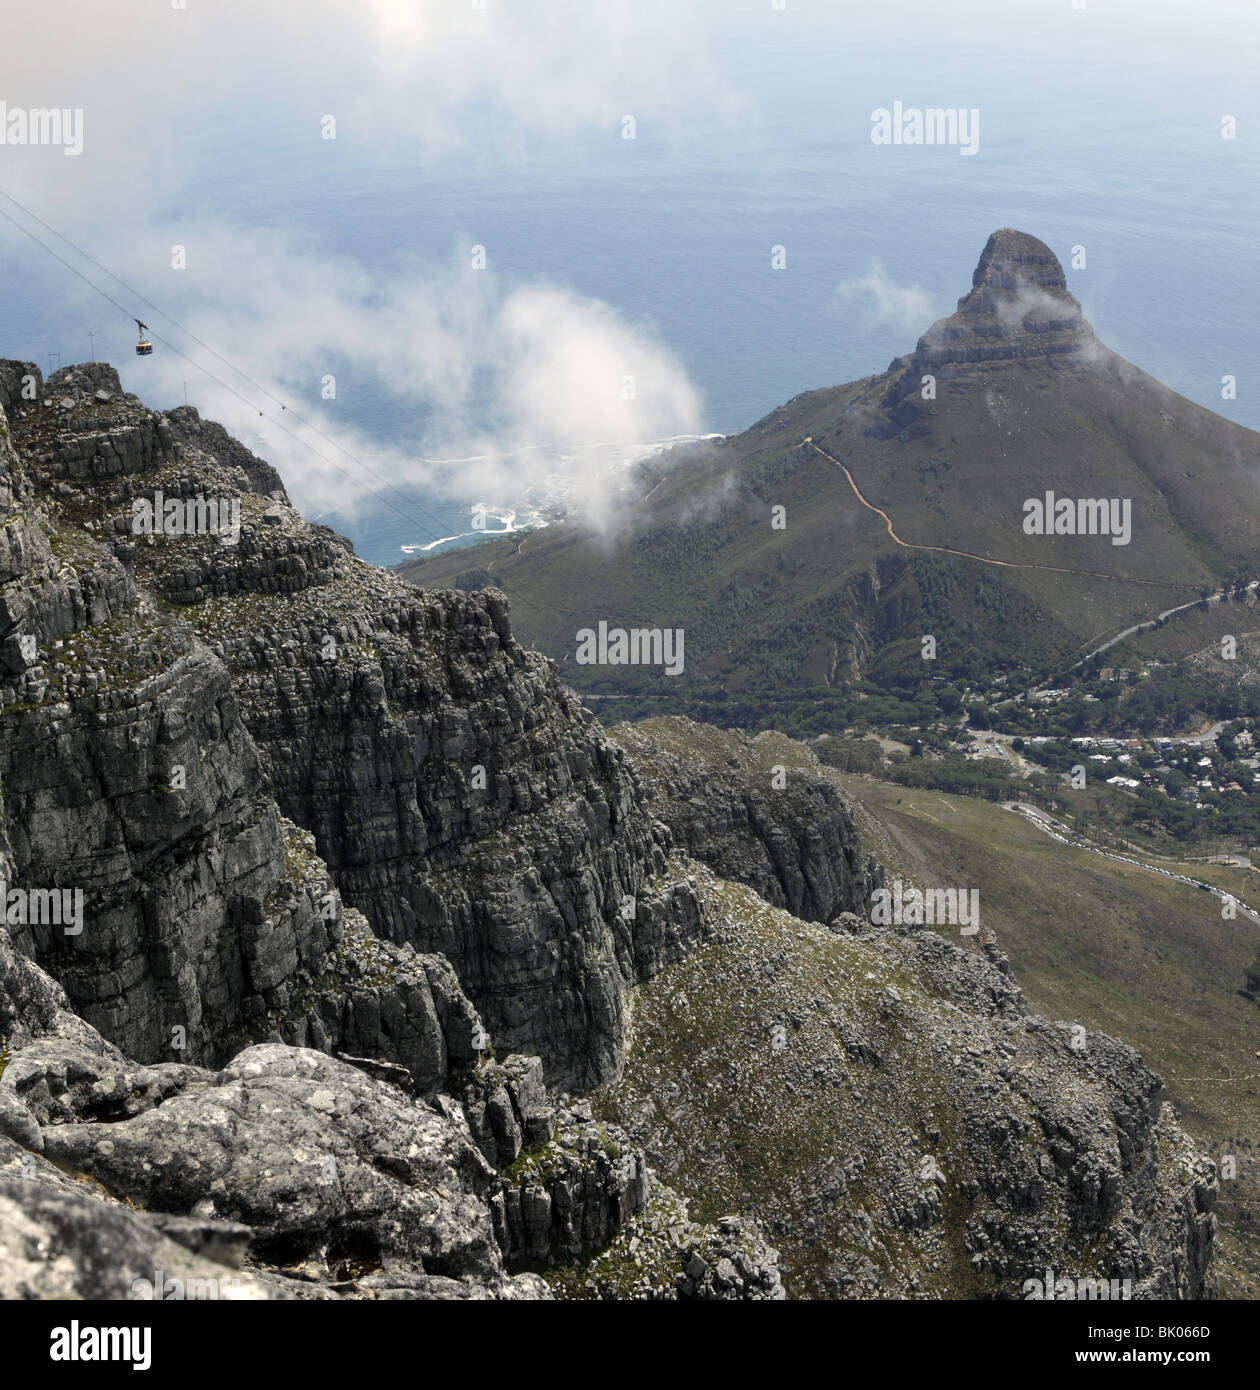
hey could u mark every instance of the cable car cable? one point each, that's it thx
(240, 371)
(223, 385)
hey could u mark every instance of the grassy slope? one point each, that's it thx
(822, 1144)
(1118, 949)
(760, 604)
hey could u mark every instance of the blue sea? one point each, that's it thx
(1096, 132)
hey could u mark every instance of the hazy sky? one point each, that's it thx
(176, 100)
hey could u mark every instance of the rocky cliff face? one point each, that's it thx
(215, 1001)
(900, 1125)
(1018, 307)
(293, 1174)
(288, 1154)
(129, 778)
(461, 801)
(337, 840)
(850, 1059)
(1018, 311)
(755, 810)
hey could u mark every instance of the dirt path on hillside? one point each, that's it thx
(983, 559)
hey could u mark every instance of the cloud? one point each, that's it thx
(489, 362)
(886, 304)
(489, 368)
(426, 79)
(1030, 301)
(550, 66)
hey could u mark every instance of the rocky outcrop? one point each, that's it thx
(732, 1264)
(217, 739)
(570, 1196)
(316, 1170)
(205, 921)
(467, 807)
(293, 1154)
(202, 918)
(58, 1244)
(1018, 307)
(1018, 311)
(189, 428)
(290, 1173)
(905, 1127)
(756, 810)
(308, 1152)
(461, 801)
(660, 1254)
(508, 1108)
(383, 1001)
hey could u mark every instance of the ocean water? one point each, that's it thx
(1096, 132)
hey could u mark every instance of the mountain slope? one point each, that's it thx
(217, 737)
(459, 798)
(1009, 398)
(1132, 953)
(813, 1074)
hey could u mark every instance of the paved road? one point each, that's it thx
(1150, 622)
(1218, 597)
(1057, 830)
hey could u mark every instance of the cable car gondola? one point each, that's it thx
(144, 347)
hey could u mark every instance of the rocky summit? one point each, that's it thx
(1019, 306)
(345, 956)
(814, 549)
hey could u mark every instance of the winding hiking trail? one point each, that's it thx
(983, 559)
